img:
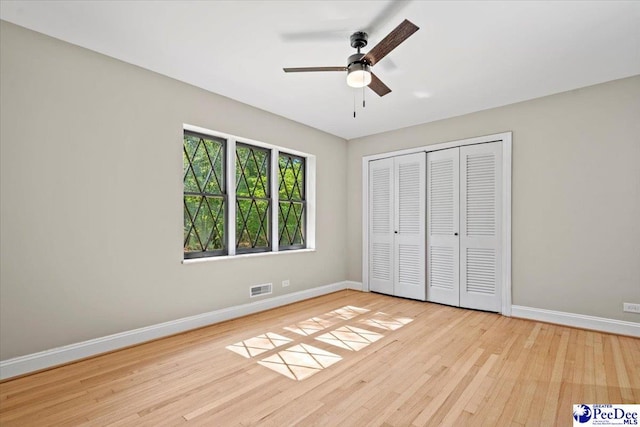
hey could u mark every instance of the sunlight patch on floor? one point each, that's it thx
(300, 361)
(257, 345)
(311, 326)
(316, 324)
(347, 312)
(386, 322)
(350, 338)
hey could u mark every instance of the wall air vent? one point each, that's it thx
(257, 290)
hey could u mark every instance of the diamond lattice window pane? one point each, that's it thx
(191, 142)
(252, 223)
(215, 179)
(213, 223)
(291, 171)
(298, 171)
(253, 204)
(203, 162)
(286, 178)
(291, 209)
(203, 223)
(204, 189)
(252, 172)
(191, 239)
(291, 223)
(189, 178)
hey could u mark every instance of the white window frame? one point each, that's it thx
(230, 231)
(506, 204)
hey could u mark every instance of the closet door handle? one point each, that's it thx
(396, 232)
(455, 234)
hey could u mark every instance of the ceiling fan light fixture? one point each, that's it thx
(358, 75)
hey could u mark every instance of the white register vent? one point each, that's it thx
(257, 290)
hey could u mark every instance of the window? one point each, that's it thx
(243, 196)
(291, 209)
(204, 195)
(253, 199)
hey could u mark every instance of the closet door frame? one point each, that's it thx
(505, 138)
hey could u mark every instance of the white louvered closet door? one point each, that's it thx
(381, 226)
(409, 244)
(397, 226)
(443, 174)
(480, 220)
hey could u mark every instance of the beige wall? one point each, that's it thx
(576, 194)
(91, 187)
(91, 216)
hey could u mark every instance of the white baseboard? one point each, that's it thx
(69, 353)
(602, 324)
(356, 286)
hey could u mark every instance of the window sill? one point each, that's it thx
(242, 256)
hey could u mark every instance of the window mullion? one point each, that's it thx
(231, 197)
(275, 200)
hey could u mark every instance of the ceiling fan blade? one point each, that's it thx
(391, 41)
(306, 69)
(389, 12)
(377, 86)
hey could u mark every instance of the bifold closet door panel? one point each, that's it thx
(443, 219)
(397, 226)
(480, 231)
(381, 226)
(409, 244)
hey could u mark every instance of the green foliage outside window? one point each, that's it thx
(253, 198)
(204, 195)
(291, 193)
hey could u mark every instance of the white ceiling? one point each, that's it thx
(467, 56)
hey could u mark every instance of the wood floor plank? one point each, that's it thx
(549, 409)
(535, 371)
(631, 356)
(456, 409)
(626, 392)
(372, 360)
(591, 369)
(602, 393)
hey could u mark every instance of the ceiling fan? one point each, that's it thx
(359, 64)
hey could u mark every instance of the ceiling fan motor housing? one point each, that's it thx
(356, 58)
(359, 39)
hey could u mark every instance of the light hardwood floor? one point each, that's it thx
(347, 358)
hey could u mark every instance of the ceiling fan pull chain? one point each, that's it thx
(363, 91)
(354, 104)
